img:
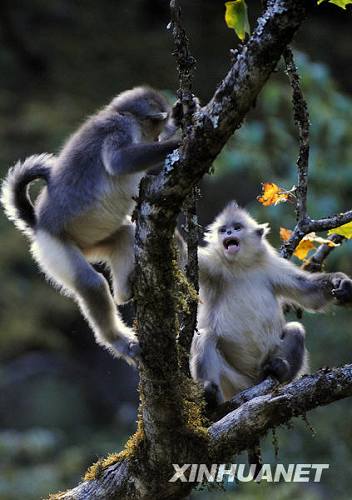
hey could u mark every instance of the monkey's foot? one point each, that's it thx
(130, 350)
(278, 368)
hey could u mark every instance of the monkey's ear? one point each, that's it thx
(157, 116)
(263, 229)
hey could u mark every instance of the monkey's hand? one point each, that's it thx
(177, 112)
(130, 350)
(342, 289)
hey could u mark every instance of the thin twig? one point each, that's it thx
(305, 224)
(185, 66)
(301, 118)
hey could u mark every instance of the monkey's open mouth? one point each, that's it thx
(232, 245)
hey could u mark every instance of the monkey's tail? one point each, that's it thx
(15, 189)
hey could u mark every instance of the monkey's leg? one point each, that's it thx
(205, 366)
(64, 263)
(122, 263)
(291, 355)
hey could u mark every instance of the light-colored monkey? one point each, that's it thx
(82, 214)
(242, 333)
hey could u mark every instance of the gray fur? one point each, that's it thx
(82, 214)
(286, 362)
(243, 334)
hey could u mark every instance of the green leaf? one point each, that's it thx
(345, 230)
(236, 17)
(339, 3)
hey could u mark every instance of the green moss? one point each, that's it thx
(131, 450)
(195, 423)
(185, 292)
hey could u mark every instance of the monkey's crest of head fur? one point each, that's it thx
(142, 102)
(236, 237)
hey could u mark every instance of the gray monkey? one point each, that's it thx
(242, 333)
(82, 215)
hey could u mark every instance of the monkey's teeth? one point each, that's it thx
(232, 245)
(229, 243)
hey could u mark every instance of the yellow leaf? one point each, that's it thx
(309, 242)
(285, 234)
(345, 230)
(322, 241)
(236, 17)
(272, 194)
(303, 249)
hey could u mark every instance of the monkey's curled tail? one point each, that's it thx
(14, 190)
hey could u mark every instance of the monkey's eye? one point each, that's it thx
(237, 226)
(222, 229)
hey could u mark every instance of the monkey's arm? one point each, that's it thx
(311, 291)
(133, 158)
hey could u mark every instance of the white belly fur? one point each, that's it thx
(108, 213)
(248, 322)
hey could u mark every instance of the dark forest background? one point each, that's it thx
(64, 402)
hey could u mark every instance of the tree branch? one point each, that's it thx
(242, 397)
(310, 225)
(237, 431)
(316, 261)
(240, 429)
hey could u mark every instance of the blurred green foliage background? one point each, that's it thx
(63, 401)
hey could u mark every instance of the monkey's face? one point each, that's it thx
(240, 242)
(154, 125)
(229, 236)
(237, 237)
